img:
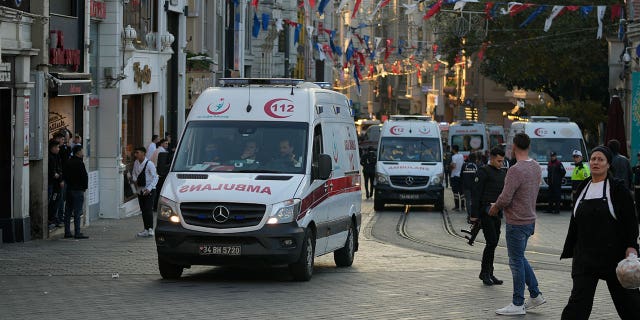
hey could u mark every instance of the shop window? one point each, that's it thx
(142, 15)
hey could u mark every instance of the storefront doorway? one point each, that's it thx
(132, 130)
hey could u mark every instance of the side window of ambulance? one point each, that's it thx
(316, 151)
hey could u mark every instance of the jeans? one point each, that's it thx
(522, 273)
(75, 201)
(368, 184)
(62, 203)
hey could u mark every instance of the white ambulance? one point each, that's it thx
(266, 171)
(496, 135)
(550, 133)
(409, 168)
(469, 136)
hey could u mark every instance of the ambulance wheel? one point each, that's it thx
(302, 270)
(378, 205)
(343, 257)
(169, 271)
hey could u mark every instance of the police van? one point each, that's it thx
(266, 171)
(547, 134)
(409, 168)
(469, 136)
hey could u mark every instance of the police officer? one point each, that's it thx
(468, 176)
(488, 186)
(580, 173)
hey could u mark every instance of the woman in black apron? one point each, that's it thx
(603, 230)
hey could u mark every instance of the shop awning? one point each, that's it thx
(70, 84)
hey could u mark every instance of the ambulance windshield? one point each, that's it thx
(242, 146)
(410, 149)
(563, 147)
(468, 142)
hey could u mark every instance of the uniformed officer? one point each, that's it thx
(580, 173)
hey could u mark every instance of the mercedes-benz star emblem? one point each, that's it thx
(408, 180)
(220, 214)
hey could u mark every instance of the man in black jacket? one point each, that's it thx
(555, 174)
(368, 162)
(468, 176)
(77, 183)
(488, 186)
(56, 183)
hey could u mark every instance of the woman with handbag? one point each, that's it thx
(145, 178)
(603, 230)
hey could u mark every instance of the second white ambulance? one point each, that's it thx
(409, 168)
(547, 134)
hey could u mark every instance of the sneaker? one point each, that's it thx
(496, 280)
(534, 302)
(68, 236)
(80, 236)
(486, 280)
(144, 233)
(511, 310)
(151, 233)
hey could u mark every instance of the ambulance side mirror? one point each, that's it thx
(324, 166)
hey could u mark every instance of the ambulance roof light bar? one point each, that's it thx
(410, 117)
(240, 82)
(548, 119)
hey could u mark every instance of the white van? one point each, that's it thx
(469, 136)
(266, 171)
(550, 133)
(409, 168)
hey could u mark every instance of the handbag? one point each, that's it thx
(141, 181)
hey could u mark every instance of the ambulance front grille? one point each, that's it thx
(410, 181)
(222, 215)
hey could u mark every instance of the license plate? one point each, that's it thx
(409, 196)
(206, 250)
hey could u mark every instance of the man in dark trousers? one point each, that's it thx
(368, 162)
(487, 188)
(468, 176)
(145, 177)
(555, 174)
(620, 165)
(77, 184)
(56, 183)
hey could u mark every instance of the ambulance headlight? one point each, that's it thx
(167, 210)
(285, 211)
(382, 178)
(437, 179)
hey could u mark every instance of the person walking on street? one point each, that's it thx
(487, 188)
(518, 200)
(620, 165)
(77, 183)
(163, 146)
(56, 183)
(468, 177)
(145, 179)
(368, 162)
(579, 174)
(636, 179)
(555, 174)
(457, 160)
(152, 145)
(603, 230)
(446, 162)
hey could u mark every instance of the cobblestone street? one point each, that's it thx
(114, 275)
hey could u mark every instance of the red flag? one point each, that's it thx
(482, 50)
(435, 9)
(616, 11)
(254, 3)
(487, 10)
(312, 3)
(517, 8)
(355, 8)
